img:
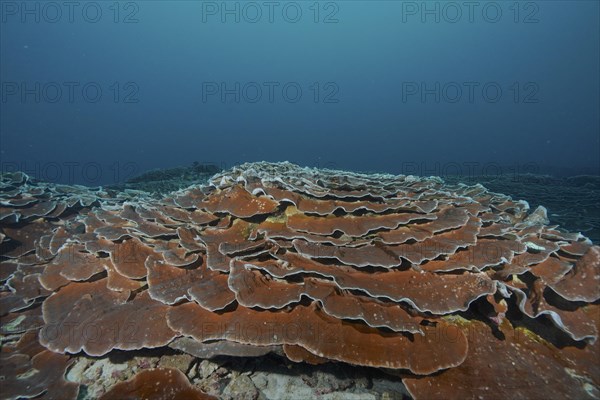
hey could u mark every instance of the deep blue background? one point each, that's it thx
(373, 51)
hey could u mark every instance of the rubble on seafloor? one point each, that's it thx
(261, 378)
(275, 281)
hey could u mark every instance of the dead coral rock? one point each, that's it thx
(328, 380)
(240, 387)
(206, 368)
(97, 375)
(308, 384)
(282, 386)
(178, 361)
(389, 389)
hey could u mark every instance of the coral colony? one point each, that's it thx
(461, 292)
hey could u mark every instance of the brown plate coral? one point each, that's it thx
(461, 292)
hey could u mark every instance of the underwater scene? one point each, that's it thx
(299, 200)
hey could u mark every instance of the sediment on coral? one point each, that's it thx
(427, 280)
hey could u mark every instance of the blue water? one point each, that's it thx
(97, 92)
